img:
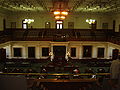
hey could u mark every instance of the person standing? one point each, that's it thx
(115, 74)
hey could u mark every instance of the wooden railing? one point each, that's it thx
(55, 83)
(56, 74)
(60, 35)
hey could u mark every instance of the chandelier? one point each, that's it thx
(90, 21)
(60, 15)
(28, 21)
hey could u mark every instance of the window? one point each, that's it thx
(59, 24)
(73, 52)
(17, 52)
(31, 52)
(45, 52)
(47, 25)
(71, 25)
(100, 52)
(24, 25)
(87, 51)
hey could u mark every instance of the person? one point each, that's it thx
(67, 56)
(76, 71)
(115, 74)
(51, 55)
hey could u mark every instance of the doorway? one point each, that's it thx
(59, 51)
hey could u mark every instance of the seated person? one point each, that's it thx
(101, 70)
(90, 70)
(17, 70)
(43, 70)
(30, 70)
(76, 71)
(5, 70)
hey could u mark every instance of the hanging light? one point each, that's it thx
(64, 13)
(60, 15)
(90, 21)
(57, 17)
(56, 12)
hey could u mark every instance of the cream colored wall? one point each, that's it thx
(40, 19)
(2, 16)
(79, 19)
(116, 17)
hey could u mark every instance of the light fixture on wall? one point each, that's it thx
(60, 15)
(90, 21)
(28, 21)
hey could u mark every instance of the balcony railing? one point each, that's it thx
(60, 35)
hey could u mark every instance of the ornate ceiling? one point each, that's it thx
(71, 5)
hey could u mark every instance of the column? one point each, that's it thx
(80, 52)
(94, 51)
(106, 52)
(37, 52)
(51, 47)
(40, 50)
(77, 52)
(25, 52)
(10, 51)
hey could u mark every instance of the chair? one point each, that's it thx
(13, 83)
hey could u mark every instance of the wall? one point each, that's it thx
(76, 44)
(40, 18)
(2, 16)
(117, 19)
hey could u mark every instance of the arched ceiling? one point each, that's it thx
(70, 5)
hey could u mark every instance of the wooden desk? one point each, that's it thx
(67, 80)
(69, 84)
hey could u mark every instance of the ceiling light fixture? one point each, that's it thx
(60, 15)
(64, 13)
(56, 12)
